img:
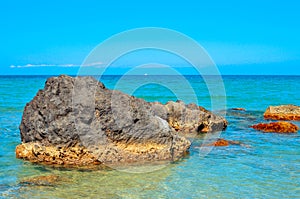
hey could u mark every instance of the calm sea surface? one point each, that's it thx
(265, 166)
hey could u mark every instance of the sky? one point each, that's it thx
(256, 37)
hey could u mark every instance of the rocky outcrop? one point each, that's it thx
(77, 121)
(283, 112)
(188, 118)
(277, 127)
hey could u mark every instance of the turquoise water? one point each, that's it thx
(265, 166)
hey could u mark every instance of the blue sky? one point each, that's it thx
(242, 37)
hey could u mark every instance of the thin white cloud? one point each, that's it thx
(42, 65)
(95, 64)
(154, 66)
(98, 64)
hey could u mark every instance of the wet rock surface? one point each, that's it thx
(277, 127)
(223, 142)
(283, 112)
(37, 152)
(49, 180)
(77, 121)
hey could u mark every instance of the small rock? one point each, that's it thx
(283, 112)
(277, 127)
(238, 109)
(223, 142)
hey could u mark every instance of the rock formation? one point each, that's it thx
(77, 121)
(188, 118)
(283, 112)
(277, 127)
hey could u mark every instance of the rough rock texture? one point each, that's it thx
(283, 112)
(277, 127)
(77, 121)
(37, 152)
(223, 142)
(188, 118)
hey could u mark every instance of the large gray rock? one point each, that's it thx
(77, 121)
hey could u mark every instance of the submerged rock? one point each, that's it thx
(238, 109)
(277, 127)
(49, 180)
(77, 121)
(283, 112)
(223, 142)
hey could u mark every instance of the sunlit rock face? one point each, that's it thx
(283, 112)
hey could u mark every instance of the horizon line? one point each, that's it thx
(74, 75)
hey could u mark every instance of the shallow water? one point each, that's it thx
(267, 165)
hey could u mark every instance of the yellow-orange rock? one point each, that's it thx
(283, 112)
(223, 142)
(72, 156)
(277, 127)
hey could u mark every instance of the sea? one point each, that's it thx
(265, 165)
